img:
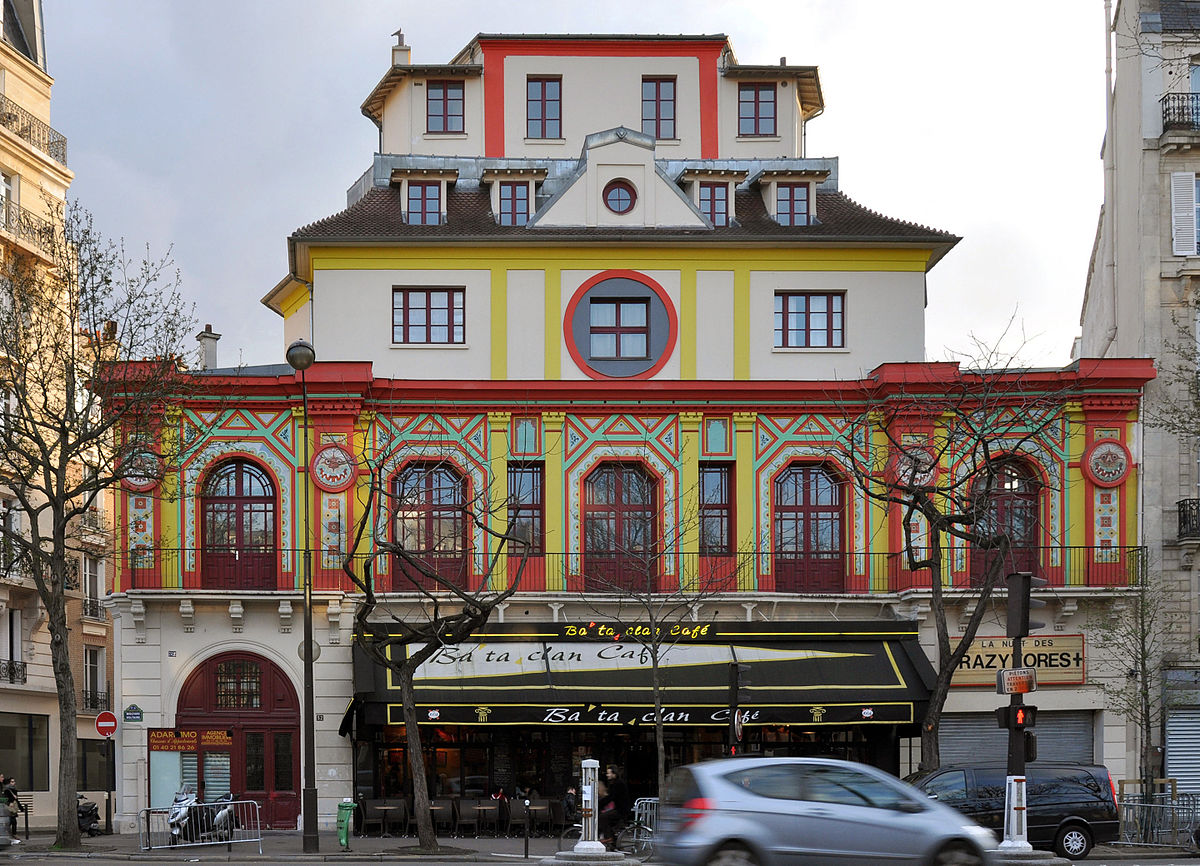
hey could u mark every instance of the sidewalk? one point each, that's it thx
(277, 845)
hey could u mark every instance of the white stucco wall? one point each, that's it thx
(714, 336)
(405, 121)
(526, 324)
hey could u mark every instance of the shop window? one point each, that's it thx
(238, 506)
(809, 527)
(429, 503)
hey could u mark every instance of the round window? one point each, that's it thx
(619, 196)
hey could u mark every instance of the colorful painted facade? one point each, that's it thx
(653, 350)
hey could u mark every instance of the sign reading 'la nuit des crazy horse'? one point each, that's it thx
(1058, 659)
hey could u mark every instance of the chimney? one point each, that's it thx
(401, 53)
(783, 61)
(208, 347)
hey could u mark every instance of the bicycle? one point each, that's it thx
(634, 838)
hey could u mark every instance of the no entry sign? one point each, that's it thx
(106, 724)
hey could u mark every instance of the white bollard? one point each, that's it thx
(1015, 816)
(589, 842)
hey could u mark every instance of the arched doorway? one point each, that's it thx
(809, 530)
(429, 502)
(252, 699)
(620, 536)
(238, 516)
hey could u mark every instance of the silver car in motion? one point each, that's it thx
(784, 811)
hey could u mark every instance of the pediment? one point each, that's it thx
(609, 159)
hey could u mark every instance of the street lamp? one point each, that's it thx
(300, 356)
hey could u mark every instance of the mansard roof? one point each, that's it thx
(378, 218)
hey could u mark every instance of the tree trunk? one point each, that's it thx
(659, 739)
(67, 834)
(426, 833)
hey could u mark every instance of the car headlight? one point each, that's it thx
(985, 837)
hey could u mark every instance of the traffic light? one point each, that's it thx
(1019, 603)
(1030, 743)
(739, 679)
(1017, 717)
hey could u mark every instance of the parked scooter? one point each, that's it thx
(89, 816)
(179, 816)
(224, 819)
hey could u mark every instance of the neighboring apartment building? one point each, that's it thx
(641, 318)
(33, 182)
(1141, 301)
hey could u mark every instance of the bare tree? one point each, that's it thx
(453, 600)
(939, 448)
(75, 421)
(1134, 636)
(651, 588)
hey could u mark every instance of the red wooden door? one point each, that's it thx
(809, 528)
(619, 529)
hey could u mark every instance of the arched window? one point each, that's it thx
(429, 502)
(809, 530)
(1009, 502)
(238, 513)
(620, 519)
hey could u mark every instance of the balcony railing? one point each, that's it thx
(93, 608)
(1181, 111)
(12, 671)
(1189, 520)
(37, 132)
(27, 226)
(757, 571)
(95, 702)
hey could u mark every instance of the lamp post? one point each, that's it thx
(300, 356)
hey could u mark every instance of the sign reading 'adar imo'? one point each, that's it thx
(1058, 660)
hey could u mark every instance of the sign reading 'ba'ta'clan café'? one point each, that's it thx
(1058, 659)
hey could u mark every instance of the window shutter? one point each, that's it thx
(1183, 213)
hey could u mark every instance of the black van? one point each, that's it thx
(1070, 807)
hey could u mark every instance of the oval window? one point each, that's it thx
(619, 196)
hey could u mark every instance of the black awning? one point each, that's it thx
(842, 678)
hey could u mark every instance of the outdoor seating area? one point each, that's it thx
(463, 817)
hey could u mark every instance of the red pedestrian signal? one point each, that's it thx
(1017, 717)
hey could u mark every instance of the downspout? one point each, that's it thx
(1110, 173)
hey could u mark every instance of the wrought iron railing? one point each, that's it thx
(12, 671)
(766, 571)
(27, 226)
(95, 701)
(1189, 520)
(1181, 111)
(93, 608)
(37, 132)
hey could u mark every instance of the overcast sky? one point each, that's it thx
(221, 127)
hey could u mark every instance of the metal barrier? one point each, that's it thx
(201, 828)
(1160, 820)
(645, 812)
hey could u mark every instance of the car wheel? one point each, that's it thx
(1073, 842)
(732, 855)
(957, 854)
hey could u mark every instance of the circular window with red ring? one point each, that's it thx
(620, 196)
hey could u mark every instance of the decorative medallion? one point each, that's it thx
(333, 468)
(1107, 463)
(916, 466)
(143, 470)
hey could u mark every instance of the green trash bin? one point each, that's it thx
(345, 821)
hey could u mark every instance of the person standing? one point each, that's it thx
(12, 806)
(614, 806)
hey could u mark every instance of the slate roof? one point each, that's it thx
(377, 217)
(1180, 15)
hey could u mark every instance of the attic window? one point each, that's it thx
(620, 196)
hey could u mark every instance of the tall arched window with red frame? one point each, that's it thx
(620, 529)
(809, 530)
(1009, 500)
(429, 510)
(238, 508)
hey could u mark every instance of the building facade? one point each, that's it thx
(1141, 302)
(644, 333)
(34, 179)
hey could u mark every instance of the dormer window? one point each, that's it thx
(714, 202)
(424, 203)
(512, 193)
(792, 204)
(514, 203)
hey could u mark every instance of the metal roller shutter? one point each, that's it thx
(1183, 748)
(965, 738)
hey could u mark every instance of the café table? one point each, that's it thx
(385, 819)
(488, 813)
(537, 819)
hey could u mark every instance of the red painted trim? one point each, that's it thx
(664, 298)
(497, 51)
